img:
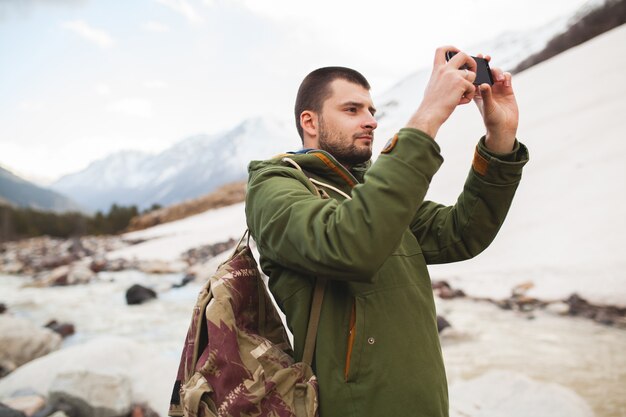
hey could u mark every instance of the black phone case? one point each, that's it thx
(483, 71)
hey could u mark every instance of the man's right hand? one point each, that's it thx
(448, 87)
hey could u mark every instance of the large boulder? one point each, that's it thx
(22, 341)
(138, 294)
(28, 403)
(77, 273)
(150, 373)
(90, 394)
(504, 393)
(10, 412)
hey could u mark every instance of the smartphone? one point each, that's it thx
(483, 72)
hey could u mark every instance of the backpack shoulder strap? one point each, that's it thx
(314, 320)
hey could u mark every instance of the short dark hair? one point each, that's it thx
(315, 89)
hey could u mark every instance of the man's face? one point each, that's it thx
(347, 123)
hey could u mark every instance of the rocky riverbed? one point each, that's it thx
(516, 356)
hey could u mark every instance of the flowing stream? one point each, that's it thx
(586, 357)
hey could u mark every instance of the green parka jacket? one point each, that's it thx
(377, 351)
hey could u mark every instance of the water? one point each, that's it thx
(100, 307)
(579, 354)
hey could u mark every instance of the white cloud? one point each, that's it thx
(157, 27)
(31, 106)
(97, 36)
(132, 106)
(103, 89)
(155, 84)
(184, 8)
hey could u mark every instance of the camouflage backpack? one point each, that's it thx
(237, 360)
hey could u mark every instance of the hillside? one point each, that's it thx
(191, 168)
(226, 195)
(21, 193)
(592, 20)
(565, 228)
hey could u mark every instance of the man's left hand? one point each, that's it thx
(498, 107)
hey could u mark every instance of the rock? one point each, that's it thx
(3, 308)
(32, 256)
(64, 329)
(608, 315)
(442, 323)
(28, 404)
(186, 280)
(143, 410)
(577, 305)
(23, 341)
(558, 307)
(98, 265)
(13, 267)
(77, 249)
(444, 291)
(6, 367)
(47, 411)
(204, 253)
(61, 410)
(522, 289)
(92, 394)
(439, 284)
(9, 412)
(510, 394)
(52, 261)
(66, 275)
(504, 304)
(58, 276)
(116, 265)
(151, 373)
(138, 294)
(159, 267)
(603, 316)
(80, 274)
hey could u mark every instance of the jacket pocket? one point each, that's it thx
(356, 341)
(195, 397)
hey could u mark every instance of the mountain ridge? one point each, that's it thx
(16, 191)
(192, 167)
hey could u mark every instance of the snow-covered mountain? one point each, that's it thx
(193, 167)
(508, 49)
(565, 228)
(16, 191)
(199, 164)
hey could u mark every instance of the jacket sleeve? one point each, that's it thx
(348, 239)
(462, 231)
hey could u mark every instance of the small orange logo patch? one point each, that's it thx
(390, 144)
(480, 164)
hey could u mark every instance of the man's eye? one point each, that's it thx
(351, 109)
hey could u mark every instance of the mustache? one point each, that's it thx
(369, 133)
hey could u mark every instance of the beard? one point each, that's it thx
(343, 148)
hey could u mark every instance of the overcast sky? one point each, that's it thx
(80, 79)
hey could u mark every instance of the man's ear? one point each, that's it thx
(309, 124)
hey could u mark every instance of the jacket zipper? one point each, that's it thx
(351, 181)
(351, 337)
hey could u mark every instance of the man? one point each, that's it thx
(377, 350)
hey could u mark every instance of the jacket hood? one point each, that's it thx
(317, 162)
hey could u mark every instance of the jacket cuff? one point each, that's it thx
(499, 168)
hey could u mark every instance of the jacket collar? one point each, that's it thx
(331, 166)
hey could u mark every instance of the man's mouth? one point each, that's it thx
(364, 136)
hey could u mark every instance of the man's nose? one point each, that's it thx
(370, 122)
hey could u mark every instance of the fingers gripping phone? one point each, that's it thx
(483, 72)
